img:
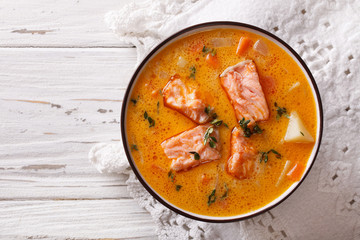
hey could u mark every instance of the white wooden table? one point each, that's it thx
(60, 93)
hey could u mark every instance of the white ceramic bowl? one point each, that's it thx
(224, 25)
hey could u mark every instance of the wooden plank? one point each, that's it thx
(52, 23)
(59, 184)
(66, 95)
(119, 219)
(57, 104)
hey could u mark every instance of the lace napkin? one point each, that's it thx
(326, 34)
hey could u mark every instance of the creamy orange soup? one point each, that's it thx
(282, 81)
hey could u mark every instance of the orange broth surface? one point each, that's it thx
(198, 183)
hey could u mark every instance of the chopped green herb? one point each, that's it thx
(207, 110)
(151, 122)
(302, 133)
(225, 193)
(160, 91)
(134, 147)
(212, 197)
(213, 52)
(171, 175)
(214, 139)
(247, 131)
(210, 112)
(216, 122)
(134, 101)
(214, 115)
(257, 129)
(192, 72)
(212, 144)
(243, 125)
(178, 187)
(146, 115)
(280, 111)
(207, 134)
(206, 50)
(196, 155)
(278, 155)
(264, 155)
(226, 125)
(158, 106)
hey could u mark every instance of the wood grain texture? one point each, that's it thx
(53, 23)
(62, 95)
(56, 104)
(89, 219)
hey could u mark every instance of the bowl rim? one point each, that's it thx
(183, 31)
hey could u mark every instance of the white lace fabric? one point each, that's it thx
(326, 35)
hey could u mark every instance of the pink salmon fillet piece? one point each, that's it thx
(241, 83)
(178, 148)
(185, 100)
(242, 163)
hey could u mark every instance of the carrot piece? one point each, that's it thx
(212, 60)
(244, 44)
(296, 172)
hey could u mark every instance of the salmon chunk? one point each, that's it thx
(185, 100)
(241, 83)
(242, 163)
(182, 147)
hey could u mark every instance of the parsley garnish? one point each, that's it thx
(247, 131)
(216, 122)
(171, 175)
(226, 125)
(207, 110)
(150, 120)
(196, 155)
(302, 133)
(207, 137)
(134, 147)
(280, 111)
(225, 193)
(206, 50)
(210, 112)
(207, 134)
(134, 101)
(158, 106)
(264, 155)
(192, 72)
(243, 125)
(257, 129)
(212, 197)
